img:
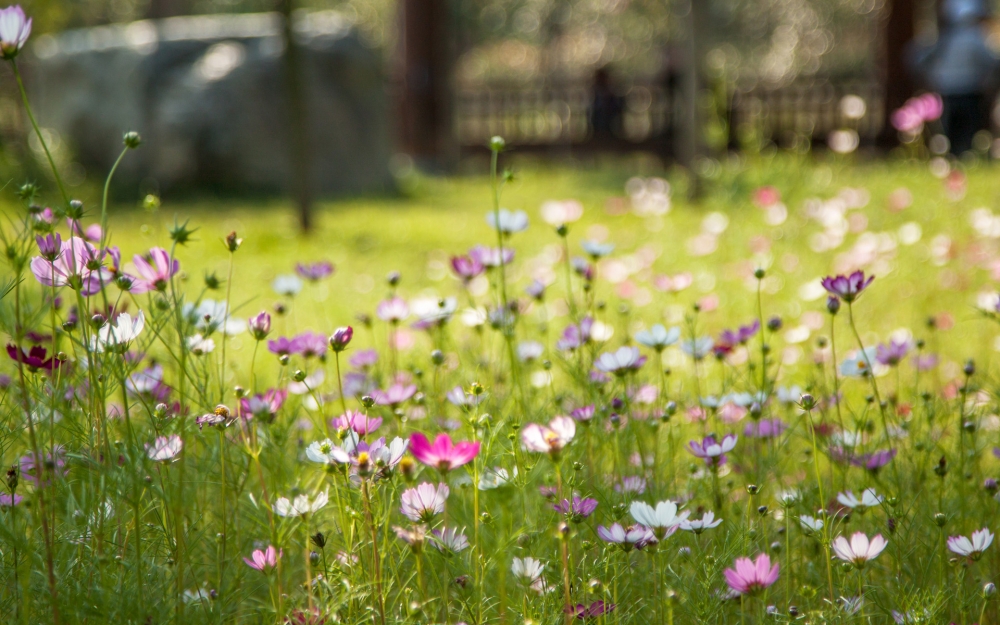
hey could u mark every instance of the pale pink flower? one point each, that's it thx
(749, 577)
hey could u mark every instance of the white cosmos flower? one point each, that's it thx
(810, 524)
(200, 345)
(212, 316)
(658, 337)
(326, 452)
(974, 548)
(288, 284)
(663, 519)
(117, 336)
(300, 505)
(707, 521)
(859, 550)
(507, 221)
(869, 499)
(528, 569)
(549, 439)
(496, 477)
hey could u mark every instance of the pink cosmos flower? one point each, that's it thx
(393, 309)
(263, 406)
(7, 500)
(466, 267)
(264, 561)
(154, 273)
(15, 28)
(595, 609)
(550, 439)
(973, 548)
(394, 395)
(748, 578)
(859, 550)
(341, 338)
(316, 271)
(637, 536)
(164, 448)
(260, 325)
(424, 502)
(362, 424)
(713, 451)
(70, 268)
(443, 454)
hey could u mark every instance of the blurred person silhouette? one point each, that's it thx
(960, 67)
(606, 107)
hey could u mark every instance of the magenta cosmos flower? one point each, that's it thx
(34, 358)
(155, 270)
(847, 288)
(466, 268)
(748, 578)
(576, 510)
(341, 338)
(260, 325)
(595, 609)
(442, 454)
(265, 560)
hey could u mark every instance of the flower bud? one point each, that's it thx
(940, 519)
(393, 278)
(807, 401)
(299, 375)
(318, 539)
(833, 304)
(132, 140)
(233, 243)
(989, 590)
(75, 209)
(774, 323)
(260, 326)
(759, 273)
(437, 357)
(497, 144)
(970, 367)
(367, 401)
(341, 338)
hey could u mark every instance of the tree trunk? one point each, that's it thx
(897, 32)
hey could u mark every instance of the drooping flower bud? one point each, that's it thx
(341, 338)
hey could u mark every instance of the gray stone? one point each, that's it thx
(207, 93)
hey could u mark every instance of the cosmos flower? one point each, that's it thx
(974, 548)
(341, 338)
(310, 344)
(859, 364)
(392, 310)
(698, 348)
(891, 354)
(637, 536)
(869, 499)
(859, 550)
(424, 502)
(765, 428)
(287, 284)
(164, 448)
(584, 413)
(326, 452)
(596, 250)
(265, 560)
(494, 478)
(624, 360)
(550, 439)
(264, 406)
(211, 316)
(34, 359)
(658, 337)
(633, 484)
(527, 569)
(576, 335)
(750, 577)
(7, 500)
(394, 395)
(576, 509)
(361, 423)
(847, 288)
(415, 536)
(442, 454)
(467, 268)
(154, 273)
(260, 325)
(450, 540)
(491, 257)
(561, 212)
(875, 460)
(301, 505)
(314, 272)
(663, 519)
(810, 524)
(712, 451)
(507, 221)
(707, 521)
(70, 268)
(116, 337)
(200, 345)
(584, 613)
(15, 28)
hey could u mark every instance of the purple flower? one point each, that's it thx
(260, 326)
(466, 267)
(394, 395)
(711, 450)
(316, 271)
(264, 406)
(874, 461)
(576, 510)
(892, 353)
(357, 384)
(281, 346)
(7, 500)
(309, 344)
(624, 360)
(925, 362)
(631, 485)
(847, 288)
(584, 413)
(449, 540)
(595, 609)
(341, 338)
(364, 359)
(575, 335)
(264, 561)
(49, 246)
(36, 472)
(72, 267)
(765, 428)
(535, 290)
(491, 256)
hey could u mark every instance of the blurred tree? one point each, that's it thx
(167, 8)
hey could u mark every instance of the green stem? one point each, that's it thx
(38, 132)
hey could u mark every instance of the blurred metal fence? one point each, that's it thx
(536, 116)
